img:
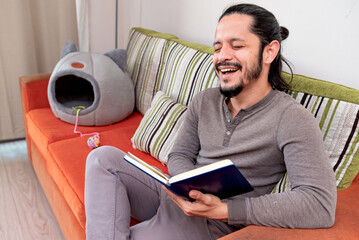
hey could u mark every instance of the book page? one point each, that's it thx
(201, 170)
(147, 168)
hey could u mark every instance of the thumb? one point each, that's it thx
(206, 199)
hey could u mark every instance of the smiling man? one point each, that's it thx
(260, 128)
(249, 120)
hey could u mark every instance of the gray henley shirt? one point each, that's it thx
(273, 136)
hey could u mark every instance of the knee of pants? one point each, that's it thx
(105, 157)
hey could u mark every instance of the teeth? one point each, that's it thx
(228, 70)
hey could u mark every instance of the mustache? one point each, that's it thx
(231, 64)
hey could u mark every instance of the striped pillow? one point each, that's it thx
(157, 130)
(145, 52)
(338, 120)
(188, 70)
(283, 185)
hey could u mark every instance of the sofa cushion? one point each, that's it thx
(158, 128)
(283, 185)
(145, 52)
(67, 168)
(44, 128)
(188, 70)
(336, 109)
(338, 121)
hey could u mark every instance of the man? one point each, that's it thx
(248, 120)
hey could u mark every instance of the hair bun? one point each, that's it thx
(284, 32)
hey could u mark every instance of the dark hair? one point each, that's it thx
(266, 27)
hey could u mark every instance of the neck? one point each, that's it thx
(250, 95)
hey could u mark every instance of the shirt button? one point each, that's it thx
(228, 133)
(229, 120)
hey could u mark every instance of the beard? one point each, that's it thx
(231, 92)
(251, 74)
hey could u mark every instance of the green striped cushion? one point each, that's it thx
(283, 185)
(188, 70)
(157, 130)
(338, 121)
(337, 110)
(145, 52)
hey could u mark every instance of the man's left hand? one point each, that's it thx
(205, 205)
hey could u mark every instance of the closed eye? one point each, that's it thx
(238, 47)
(217, 47)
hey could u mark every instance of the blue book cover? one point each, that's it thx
(222, 179)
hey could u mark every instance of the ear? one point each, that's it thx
(119, 56)
(271, 51)
(68, 48)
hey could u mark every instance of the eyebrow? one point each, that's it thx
(217, 42)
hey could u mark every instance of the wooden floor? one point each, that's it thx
(24, 210)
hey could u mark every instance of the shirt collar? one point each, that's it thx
(261, 103)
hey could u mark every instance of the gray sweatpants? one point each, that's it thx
(115, 191)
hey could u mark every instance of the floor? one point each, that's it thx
(24, 211)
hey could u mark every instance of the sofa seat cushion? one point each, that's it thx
(44, 128)
(69, 160)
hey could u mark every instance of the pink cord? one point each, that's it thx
(83, 134)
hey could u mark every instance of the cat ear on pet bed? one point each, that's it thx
(69, 47)
(119, 56)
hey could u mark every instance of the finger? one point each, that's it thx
(197, 195)
(201, 197)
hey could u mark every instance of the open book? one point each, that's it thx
(222, 178)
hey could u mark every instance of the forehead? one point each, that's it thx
(234, 26)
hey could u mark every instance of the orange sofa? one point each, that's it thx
(59, 155)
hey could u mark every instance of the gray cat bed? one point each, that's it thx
(97, 84)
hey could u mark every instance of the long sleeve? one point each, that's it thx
(312, 201)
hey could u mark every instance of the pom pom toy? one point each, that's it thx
(94, 142)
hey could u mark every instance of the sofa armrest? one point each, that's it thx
(345, 227)
(34, 91)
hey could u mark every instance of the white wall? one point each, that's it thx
(322, 42)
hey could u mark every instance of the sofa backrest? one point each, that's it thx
(180, 69)
(336, 109)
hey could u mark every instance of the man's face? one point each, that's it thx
(236, 58)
